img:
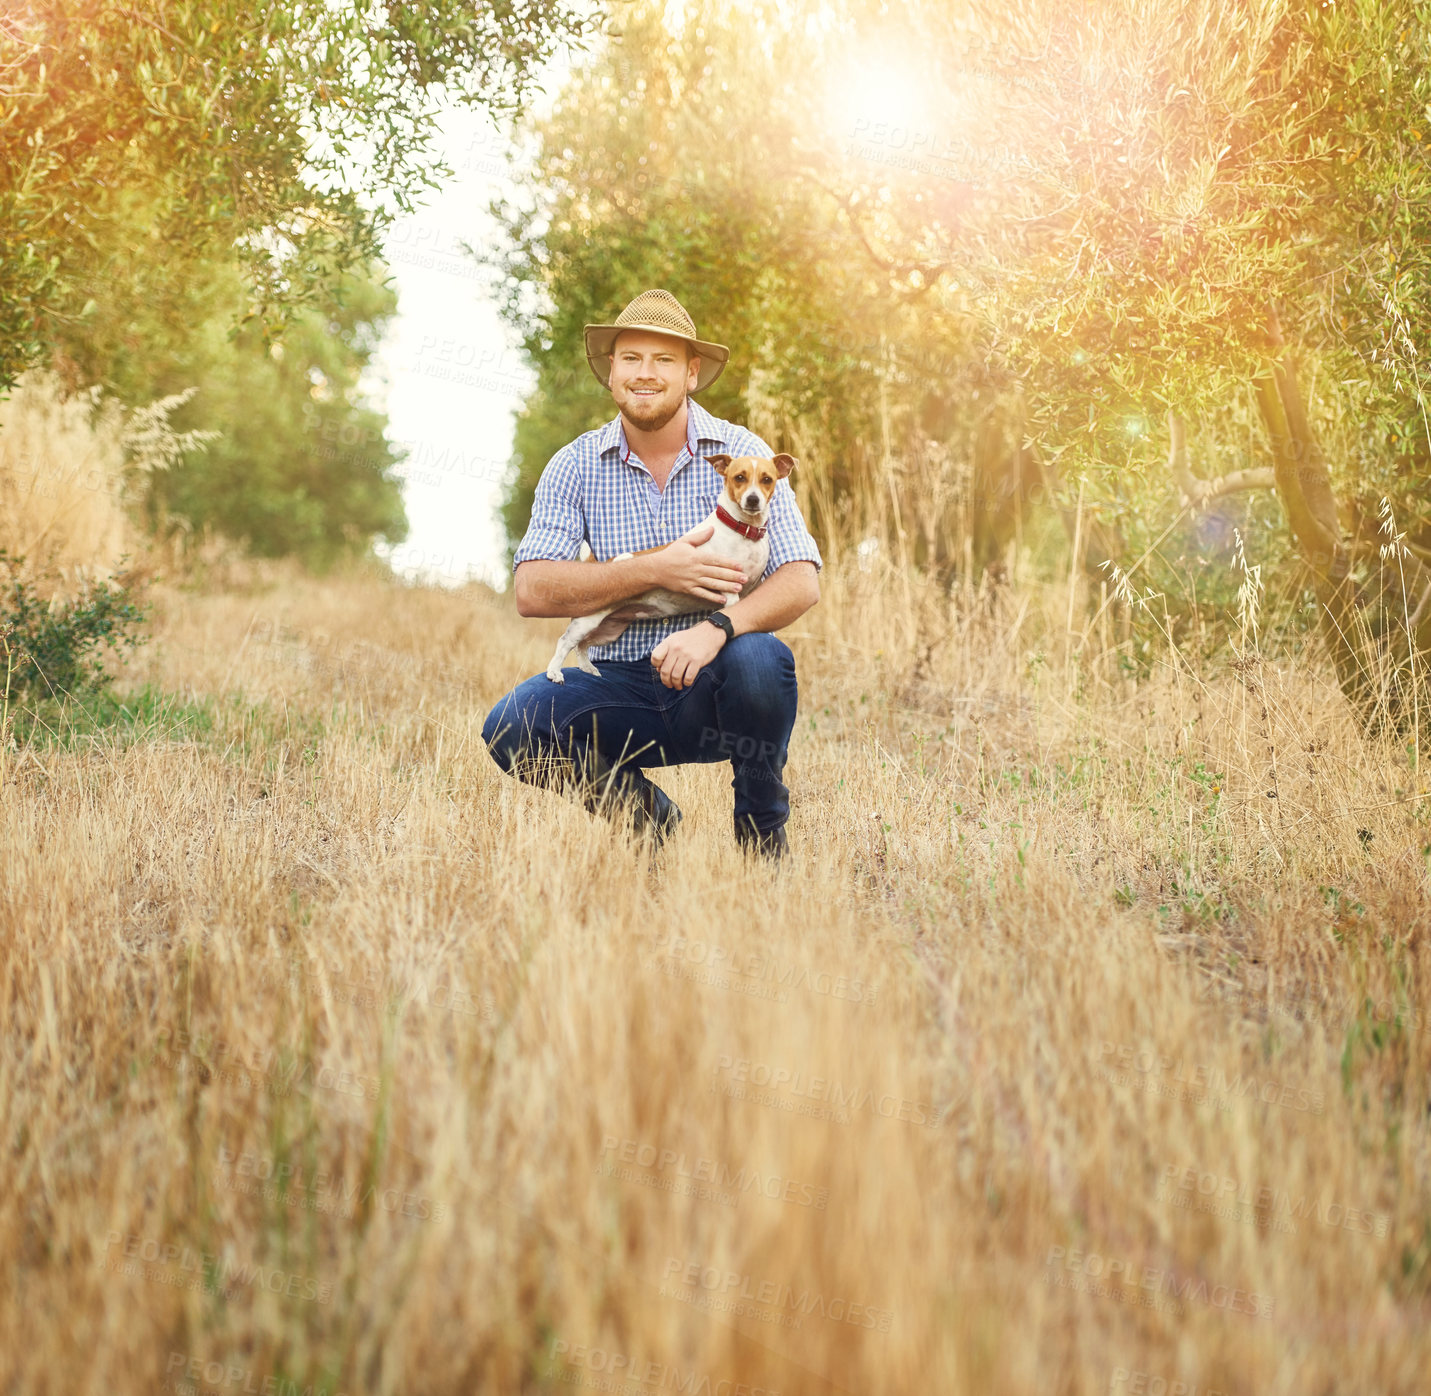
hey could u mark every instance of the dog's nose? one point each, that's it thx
(752, 501)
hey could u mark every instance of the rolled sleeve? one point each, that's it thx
(790, 540)
(558, 522)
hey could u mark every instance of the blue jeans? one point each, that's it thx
(741, 709)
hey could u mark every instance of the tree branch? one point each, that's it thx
(1196, 493)
(845, 202)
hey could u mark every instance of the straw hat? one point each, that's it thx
(662, 312)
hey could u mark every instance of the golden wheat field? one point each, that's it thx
(1062, 1058)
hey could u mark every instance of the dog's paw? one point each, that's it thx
(556, 676)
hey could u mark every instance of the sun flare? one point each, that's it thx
(885, 95)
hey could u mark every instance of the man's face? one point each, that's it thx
(650, 376)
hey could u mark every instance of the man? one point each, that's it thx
(677, 688)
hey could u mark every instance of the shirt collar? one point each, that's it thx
(700, 427)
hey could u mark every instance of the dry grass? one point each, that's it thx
(1047, 934)
(62, 468)
(71, 469)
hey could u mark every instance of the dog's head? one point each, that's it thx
(750, 480)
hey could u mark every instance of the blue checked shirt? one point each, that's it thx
(596, 489)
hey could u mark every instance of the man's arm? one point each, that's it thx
(782, 598)
(556, 587)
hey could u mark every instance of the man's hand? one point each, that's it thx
(680, 657)
(681, 568)
(559, 587)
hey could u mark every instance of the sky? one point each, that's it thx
(449, 372)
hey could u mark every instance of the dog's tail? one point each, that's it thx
(585, 554)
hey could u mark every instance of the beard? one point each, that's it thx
(650, 414)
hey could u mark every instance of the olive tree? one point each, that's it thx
(266, 130)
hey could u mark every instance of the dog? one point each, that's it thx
(740, 520)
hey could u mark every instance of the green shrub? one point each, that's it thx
(57, 650)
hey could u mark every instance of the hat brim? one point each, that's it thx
(601, 338)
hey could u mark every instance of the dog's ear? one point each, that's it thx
(721, 463)
(784, 464)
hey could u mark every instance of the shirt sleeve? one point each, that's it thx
(790, 540)
(558, 522)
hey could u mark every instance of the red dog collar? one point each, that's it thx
(749, 530)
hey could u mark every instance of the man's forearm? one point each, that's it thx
(552, 587)
(780, 600)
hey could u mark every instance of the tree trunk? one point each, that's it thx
(1377, 625)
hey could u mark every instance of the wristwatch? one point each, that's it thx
(721, 621)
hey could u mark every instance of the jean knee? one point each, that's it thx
(501, 733)
(492, 726)
(761, 647)
(760, 676)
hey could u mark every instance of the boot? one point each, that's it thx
(771, 843)
(624, 793)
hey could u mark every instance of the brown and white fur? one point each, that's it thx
(749, 487)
